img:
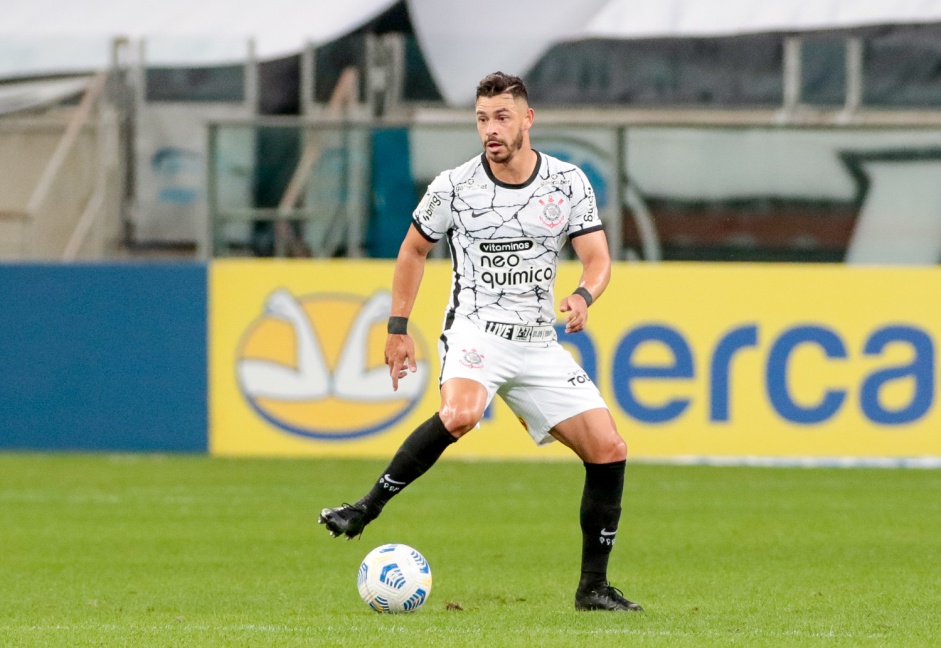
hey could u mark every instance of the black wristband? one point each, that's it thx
(397, 326)
(581, 290)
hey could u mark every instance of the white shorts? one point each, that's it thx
(540, 381)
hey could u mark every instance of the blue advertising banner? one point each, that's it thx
(103, 357)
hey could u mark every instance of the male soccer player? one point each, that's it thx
(506, 215)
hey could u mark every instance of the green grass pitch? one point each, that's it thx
(196, 551)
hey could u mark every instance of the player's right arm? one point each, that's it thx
(430, 221)
(409, 269)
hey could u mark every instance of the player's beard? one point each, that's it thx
(508, 150)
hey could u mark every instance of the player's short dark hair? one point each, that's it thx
(499, 83)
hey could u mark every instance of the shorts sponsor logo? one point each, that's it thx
(519, 332)
(578, 378)
(499, 329)
(312, 366)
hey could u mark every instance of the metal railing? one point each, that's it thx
(719, 186)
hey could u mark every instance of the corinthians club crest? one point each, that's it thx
(472, 359)
(551, 211)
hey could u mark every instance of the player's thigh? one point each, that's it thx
(593, 436)
(552, 388)
(474, 365)
(463, 402)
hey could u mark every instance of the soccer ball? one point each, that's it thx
(394, 578)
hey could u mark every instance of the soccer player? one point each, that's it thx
(506, 215)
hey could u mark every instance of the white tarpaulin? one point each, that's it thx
(42, 36)
(461, 46)
(33, 94)
(461, 42)
(633, 19)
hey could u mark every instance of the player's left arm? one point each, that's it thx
(592, 251)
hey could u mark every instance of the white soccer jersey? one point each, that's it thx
(505, 239)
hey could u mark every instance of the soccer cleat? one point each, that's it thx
(348, 520)
(604, 597)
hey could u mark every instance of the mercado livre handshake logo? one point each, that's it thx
(313, 365)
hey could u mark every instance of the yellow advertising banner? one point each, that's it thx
(694, 360)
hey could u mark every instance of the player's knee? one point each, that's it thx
(459, 420)
(612, 448)
(619, 448)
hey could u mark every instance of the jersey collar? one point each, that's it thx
(507, 185)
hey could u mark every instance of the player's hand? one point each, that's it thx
(400, 356)
(577, 308)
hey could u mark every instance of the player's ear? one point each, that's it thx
(528, 118)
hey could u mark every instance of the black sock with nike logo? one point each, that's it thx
(599, 515)
(417, 454)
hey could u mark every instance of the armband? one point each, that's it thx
(581, 290)
(397, 326)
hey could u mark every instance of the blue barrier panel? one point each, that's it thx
(108, 357)
(394, 197)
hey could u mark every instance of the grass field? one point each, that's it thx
(194, 551)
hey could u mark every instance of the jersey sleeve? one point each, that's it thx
(584, 216)
(432, 218)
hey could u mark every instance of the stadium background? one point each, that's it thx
(769, 180)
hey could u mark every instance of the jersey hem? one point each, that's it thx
(422, 232)
(587, 230)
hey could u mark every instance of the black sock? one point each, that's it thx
(599, 515)
(416, 455)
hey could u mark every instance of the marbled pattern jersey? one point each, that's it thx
(505, 239)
